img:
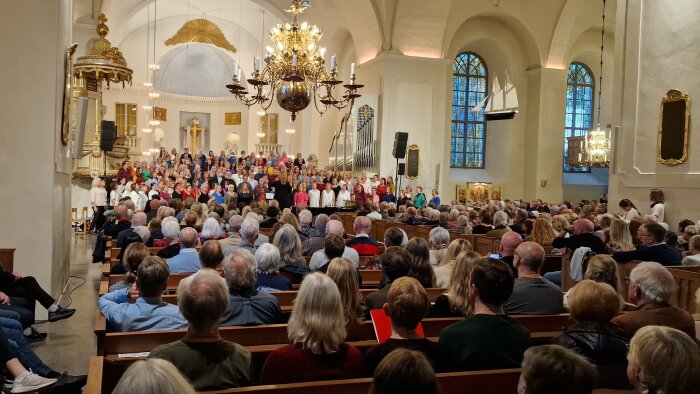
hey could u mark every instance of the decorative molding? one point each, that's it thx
(177, 98)
(201, 31)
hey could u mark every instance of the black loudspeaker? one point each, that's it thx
(400, 141)
(108, 135)
(402, 169)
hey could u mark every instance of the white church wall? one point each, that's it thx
(660, 53)
(37, 175)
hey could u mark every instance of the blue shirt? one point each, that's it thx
(184, 262)
(435, 200)
(147, 313)
(218, 197)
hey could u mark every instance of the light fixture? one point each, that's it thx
(146, 130)
(290, 131)
(595, 149)
(154, 122)
(147, 107)
(153, 95)
(154, 67)
(261, 113)
(295, 71)
(146, 153)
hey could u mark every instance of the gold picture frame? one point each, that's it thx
(478, 191)
(160, 114)
(674, 128)
(462, 194)
(232, 118)
(413, 162)
(497, 193)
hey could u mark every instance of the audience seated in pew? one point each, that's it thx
(532, 294)
(187, 259)
(148, 312)
(663, 360)
(456, 303)
(551, 369)
(134, 254)
(171, 233)
(363, 243)
(249, 233)
(319, 258)
(407, 304)
(500, 225)
(24, 380)
(601, 268)
(653, 237)
(443, 271)
(693, 256)
(438, 240)
(651, 289)
(509, 242)
(211, 256)
(404, 371)
(138, 219)
(289, 244)
(334, 246)
(153, 376)
(269, 262)
(396, 262)
(207, 360)
(593, 305)
(420, 267)
(344, 273)
(316, 332)
(247, 305)
(582, 238)
(315, 242)
(234, 236)
(489, 339)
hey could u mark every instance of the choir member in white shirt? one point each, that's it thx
(343, 196)
(314, 196)
(328, 196)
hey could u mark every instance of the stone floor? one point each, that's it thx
(71, 342)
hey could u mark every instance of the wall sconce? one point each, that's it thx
(543, 183)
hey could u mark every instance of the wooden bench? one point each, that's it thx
(687, 284)
(504, 381)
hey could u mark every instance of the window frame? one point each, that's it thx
(466, 58)
(570, 131)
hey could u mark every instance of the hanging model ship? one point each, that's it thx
(500, 104)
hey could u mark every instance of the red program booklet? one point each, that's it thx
(382, 325)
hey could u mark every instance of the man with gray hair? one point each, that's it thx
(532, 294)
(234, 238)
(171, 232)
(139, 219)
(363, 243)
(305, 217)
(319, 258)
(249, 234)
(651, 288)
(317, 239)
(187, 260)
(247, 305)
(207, 360)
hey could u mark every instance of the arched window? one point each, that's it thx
(579, 108)
(469, 88)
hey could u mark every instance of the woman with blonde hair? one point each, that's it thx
(153, 376)
(456, 303)
(287, 241)
(620, 238)
(592, 305)
(560, 223)
(663, 360)
(601, 268)
(343, 273)
(443, 272)
(542, 233)
(133, 256)
(316, 332)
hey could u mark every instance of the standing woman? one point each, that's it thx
(631, 211)
(328, 197)
(390, 185)
(284, 193)
(301, 197)
(656, 196)
(419, 201)
(360, 198)
(436, 199)
(113, 201)
(98, 198)
(343, 196)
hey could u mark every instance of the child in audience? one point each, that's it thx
(404, 372)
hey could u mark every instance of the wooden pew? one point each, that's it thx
(503, 381)
(687, 283)
(173, 282)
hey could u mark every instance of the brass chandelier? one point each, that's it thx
(294, 71)
(595, 149)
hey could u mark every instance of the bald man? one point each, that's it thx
(509, 242)
(532, 294)
(582, 237)
(187, 260)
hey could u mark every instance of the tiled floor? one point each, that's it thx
(71, 342)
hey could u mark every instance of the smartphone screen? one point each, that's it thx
(496, 256)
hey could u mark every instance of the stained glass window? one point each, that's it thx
(579, 108)
(468, 132)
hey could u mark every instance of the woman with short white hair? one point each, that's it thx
(211, 229)
(316, 332)
(269, 264)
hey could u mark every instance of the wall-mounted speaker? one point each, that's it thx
(400, 141)
(402, 169)
(107, 135)
(77, 146)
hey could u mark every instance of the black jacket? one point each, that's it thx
(581, 240)
(602, 346)
(662, 254)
